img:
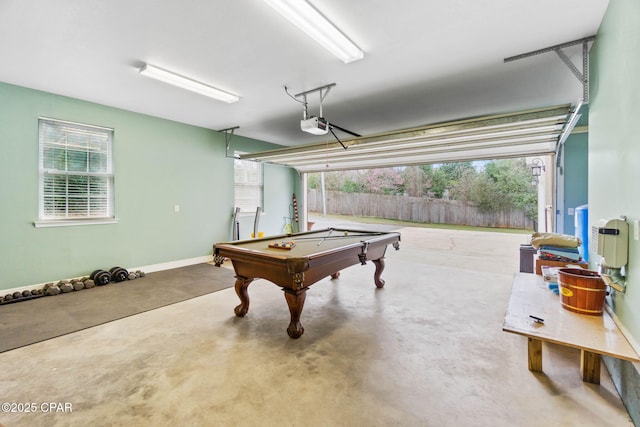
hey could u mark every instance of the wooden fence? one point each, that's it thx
(415, 209)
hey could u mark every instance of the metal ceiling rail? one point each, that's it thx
(531, 132)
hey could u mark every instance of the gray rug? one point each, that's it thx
(40, 319)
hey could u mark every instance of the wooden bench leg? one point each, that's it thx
(535, 355)
(590, 366)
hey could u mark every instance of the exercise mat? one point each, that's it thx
(28, 322)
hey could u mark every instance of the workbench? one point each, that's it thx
(593, 335)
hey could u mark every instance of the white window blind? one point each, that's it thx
(248, 188)
(76, 171)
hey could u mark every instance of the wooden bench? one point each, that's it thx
(593, 335)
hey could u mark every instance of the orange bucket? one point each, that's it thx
(582, 291)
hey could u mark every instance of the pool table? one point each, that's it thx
(297, 261)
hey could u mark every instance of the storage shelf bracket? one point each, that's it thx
(228, 134)
(583, 77)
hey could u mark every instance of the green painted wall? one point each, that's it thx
(614, 153)
(614, 137)
(158, 164)
(575, 177)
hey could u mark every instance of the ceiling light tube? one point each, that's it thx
(187, 83)
(308, 19)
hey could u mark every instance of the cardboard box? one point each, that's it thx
(541, 262)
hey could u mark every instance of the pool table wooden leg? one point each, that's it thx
(379, 263)
(242, 283)
(295, 301)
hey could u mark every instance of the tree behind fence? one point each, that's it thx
(416, 209)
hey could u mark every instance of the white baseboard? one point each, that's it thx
(147, 269)
(173, 264)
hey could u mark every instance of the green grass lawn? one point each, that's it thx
(373, 220)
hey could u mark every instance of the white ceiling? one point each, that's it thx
(425, 61)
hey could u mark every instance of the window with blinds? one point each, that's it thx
(248, 187)
(76, 171)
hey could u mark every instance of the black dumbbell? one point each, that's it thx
(119, 274)
(100, 277)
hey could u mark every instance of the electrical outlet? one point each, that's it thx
(176, 208)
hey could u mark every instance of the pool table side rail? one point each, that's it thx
(235, 248)
(306, 233)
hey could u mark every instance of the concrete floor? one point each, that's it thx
(427, 350)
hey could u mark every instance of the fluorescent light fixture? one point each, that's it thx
(187, 83)
(308, 19)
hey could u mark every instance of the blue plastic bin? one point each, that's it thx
(582, 230)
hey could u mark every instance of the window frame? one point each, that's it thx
(244, 206)
(69, 185)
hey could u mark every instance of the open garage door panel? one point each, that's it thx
(519, 134)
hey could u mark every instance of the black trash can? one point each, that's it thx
(527, 253)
